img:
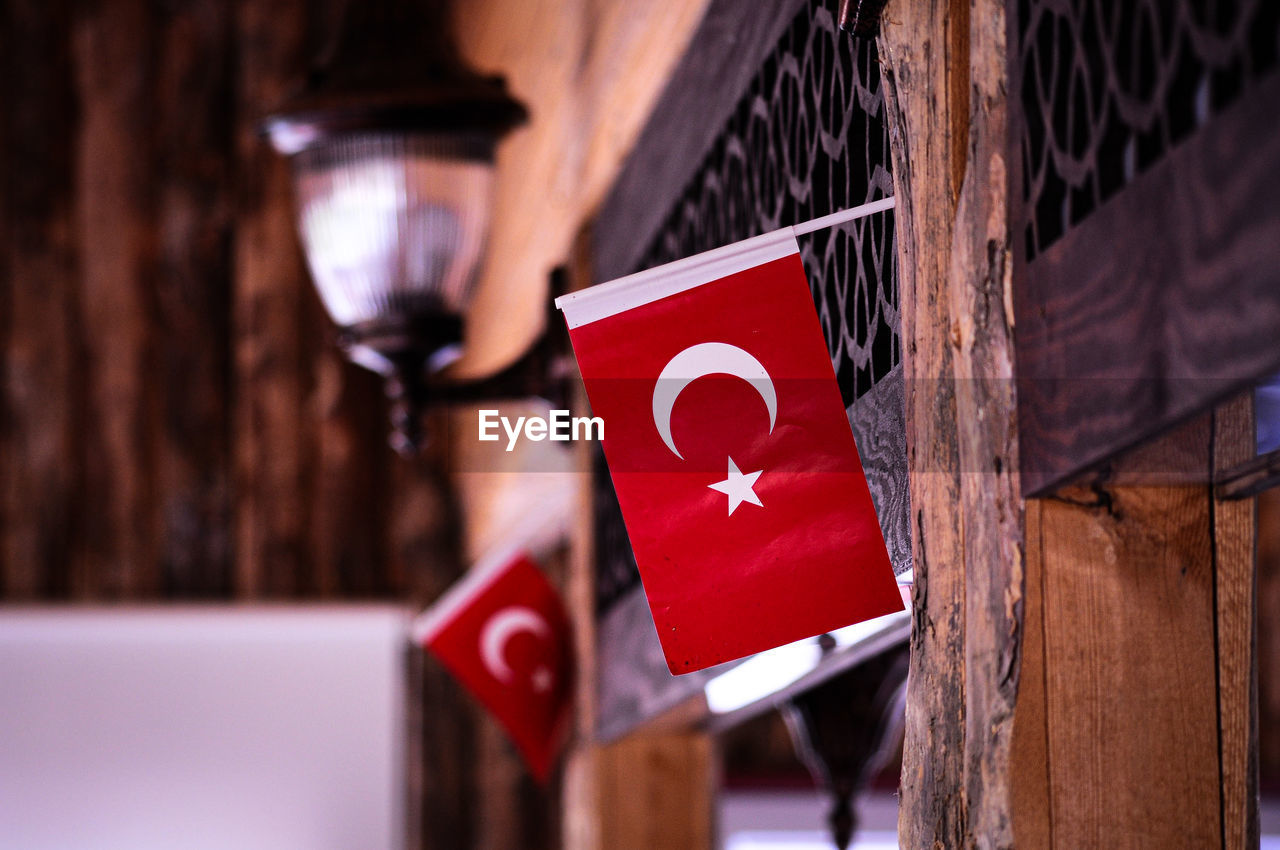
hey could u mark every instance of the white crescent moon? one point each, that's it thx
(501, 627)
(708, 358)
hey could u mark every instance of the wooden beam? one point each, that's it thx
(945, 84)
(1157, 305)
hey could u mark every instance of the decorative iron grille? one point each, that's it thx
(1107, 87)
(807, 138)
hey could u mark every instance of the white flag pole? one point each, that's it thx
(843, 216)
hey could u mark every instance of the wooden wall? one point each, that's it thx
(175, 422)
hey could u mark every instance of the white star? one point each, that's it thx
(738, 487)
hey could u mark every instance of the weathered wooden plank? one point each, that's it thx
(1159, 304)
(269, 359)
(1130, 667)
(118, 529)
(918, 69)
(39, 401)
(190, 372)
(987, 430)
(1234, 540)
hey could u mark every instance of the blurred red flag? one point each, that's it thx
(731, 452)
(503, 632)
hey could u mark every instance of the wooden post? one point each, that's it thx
(1112, 705)
(944, 78)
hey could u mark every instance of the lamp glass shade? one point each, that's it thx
(393, 224)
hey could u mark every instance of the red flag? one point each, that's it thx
(503, 632)
(731, 452)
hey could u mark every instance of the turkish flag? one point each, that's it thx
(731, 452)
(503, 632)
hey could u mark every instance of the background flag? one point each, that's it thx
(731, 452)
(503, 632)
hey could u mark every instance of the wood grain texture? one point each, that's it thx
(1162, 302)
(981, 303)
(1138, 653)
(1235, 576)
(112, 223)
(268, 295)
(40, 414)
(658, 791)
(917, 77)
(1031, 804)
(1130, 668)
(946, 87)
(192, 204)
(151, 236)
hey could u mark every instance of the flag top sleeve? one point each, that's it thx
(626, 293)
(462, 593)
(731, 452)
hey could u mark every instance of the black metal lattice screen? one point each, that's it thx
(1108, 87)
(806, 138)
